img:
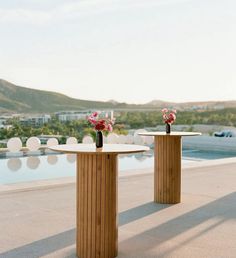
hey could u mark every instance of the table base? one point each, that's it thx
(167, 171)
(97, 228)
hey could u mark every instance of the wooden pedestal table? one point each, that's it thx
(167, 165)
(97, 228)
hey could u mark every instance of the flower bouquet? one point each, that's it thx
(169, 117)
(100, 125)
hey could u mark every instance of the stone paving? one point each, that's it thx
(40, 222)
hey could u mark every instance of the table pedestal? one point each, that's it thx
(97, 228)
(167, 170)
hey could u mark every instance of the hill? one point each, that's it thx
(20, 99)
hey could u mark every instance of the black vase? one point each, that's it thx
(168, 128)
(99, 139)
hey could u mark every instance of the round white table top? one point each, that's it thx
(107, 148)
(170, 134)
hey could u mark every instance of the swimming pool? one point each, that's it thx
(24, 169)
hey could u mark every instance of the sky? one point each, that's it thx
(131, 51)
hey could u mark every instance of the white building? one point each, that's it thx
(35, 121)
(81, 115)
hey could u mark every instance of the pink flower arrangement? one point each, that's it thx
(103, 124)
(169, 116)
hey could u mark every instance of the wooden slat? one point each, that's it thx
(94, 207)
(98, 207)
(78, 205)
(107, 199)
(103, 196)
(115, 204)
(89, 224)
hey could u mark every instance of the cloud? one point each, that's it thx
(67, 10)
(24, 16)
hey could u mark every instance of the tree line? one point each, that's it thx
(125, 120)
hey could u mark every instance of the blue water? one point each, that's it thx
(25, 169)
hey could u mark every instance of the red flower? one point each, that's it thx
(168, 117)
(100, 124)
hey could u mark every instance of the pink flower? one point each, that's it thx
(92, 120)
(172, 116)
(165, 117)
(109, 127)
(104, 124)
(164, 110)
(95, 114)
(168, 117)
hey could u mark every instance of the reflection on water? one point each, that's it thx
(33, 162)
(52, 159)
(58, 166)
(140, 157)
(35, 168)
(71, 158)
(14, 164)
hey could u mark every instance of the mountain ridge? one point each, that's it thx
(14, 98)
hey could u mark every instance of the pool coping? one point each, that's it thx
(49, 183)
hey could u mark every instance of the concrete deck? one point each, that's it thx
(40, 222)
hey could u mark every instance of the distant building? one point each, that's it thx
(35, 121)
(219, 107)
(65, 116)
(3, 123)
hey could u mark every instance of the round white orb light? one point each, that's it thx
(71, 140)
(14, 144)
(139, 140)
(87, 139)
(122, 139)
(33, 143)
(130, 139)
(139, 131)
(112, 138)
(149, 140)
(52, 142)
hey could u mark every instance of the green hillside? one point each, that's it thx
(20, 99)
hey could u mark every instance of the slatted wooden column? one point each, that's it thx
(97, 228)
(167, 171)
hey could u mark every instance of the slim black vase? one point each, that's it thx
(99, 139)
(168, 128)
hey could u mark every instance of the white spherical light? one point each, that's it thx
(149, 140)
(112, 138)
(33, 143)
(14, 144)
(138, 140)
(122, 139)
(87, 139)
(52, 142)
(139, 131)
(130, 139)
(71, 140)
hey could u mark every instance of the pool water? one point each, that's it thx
(24, 169)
